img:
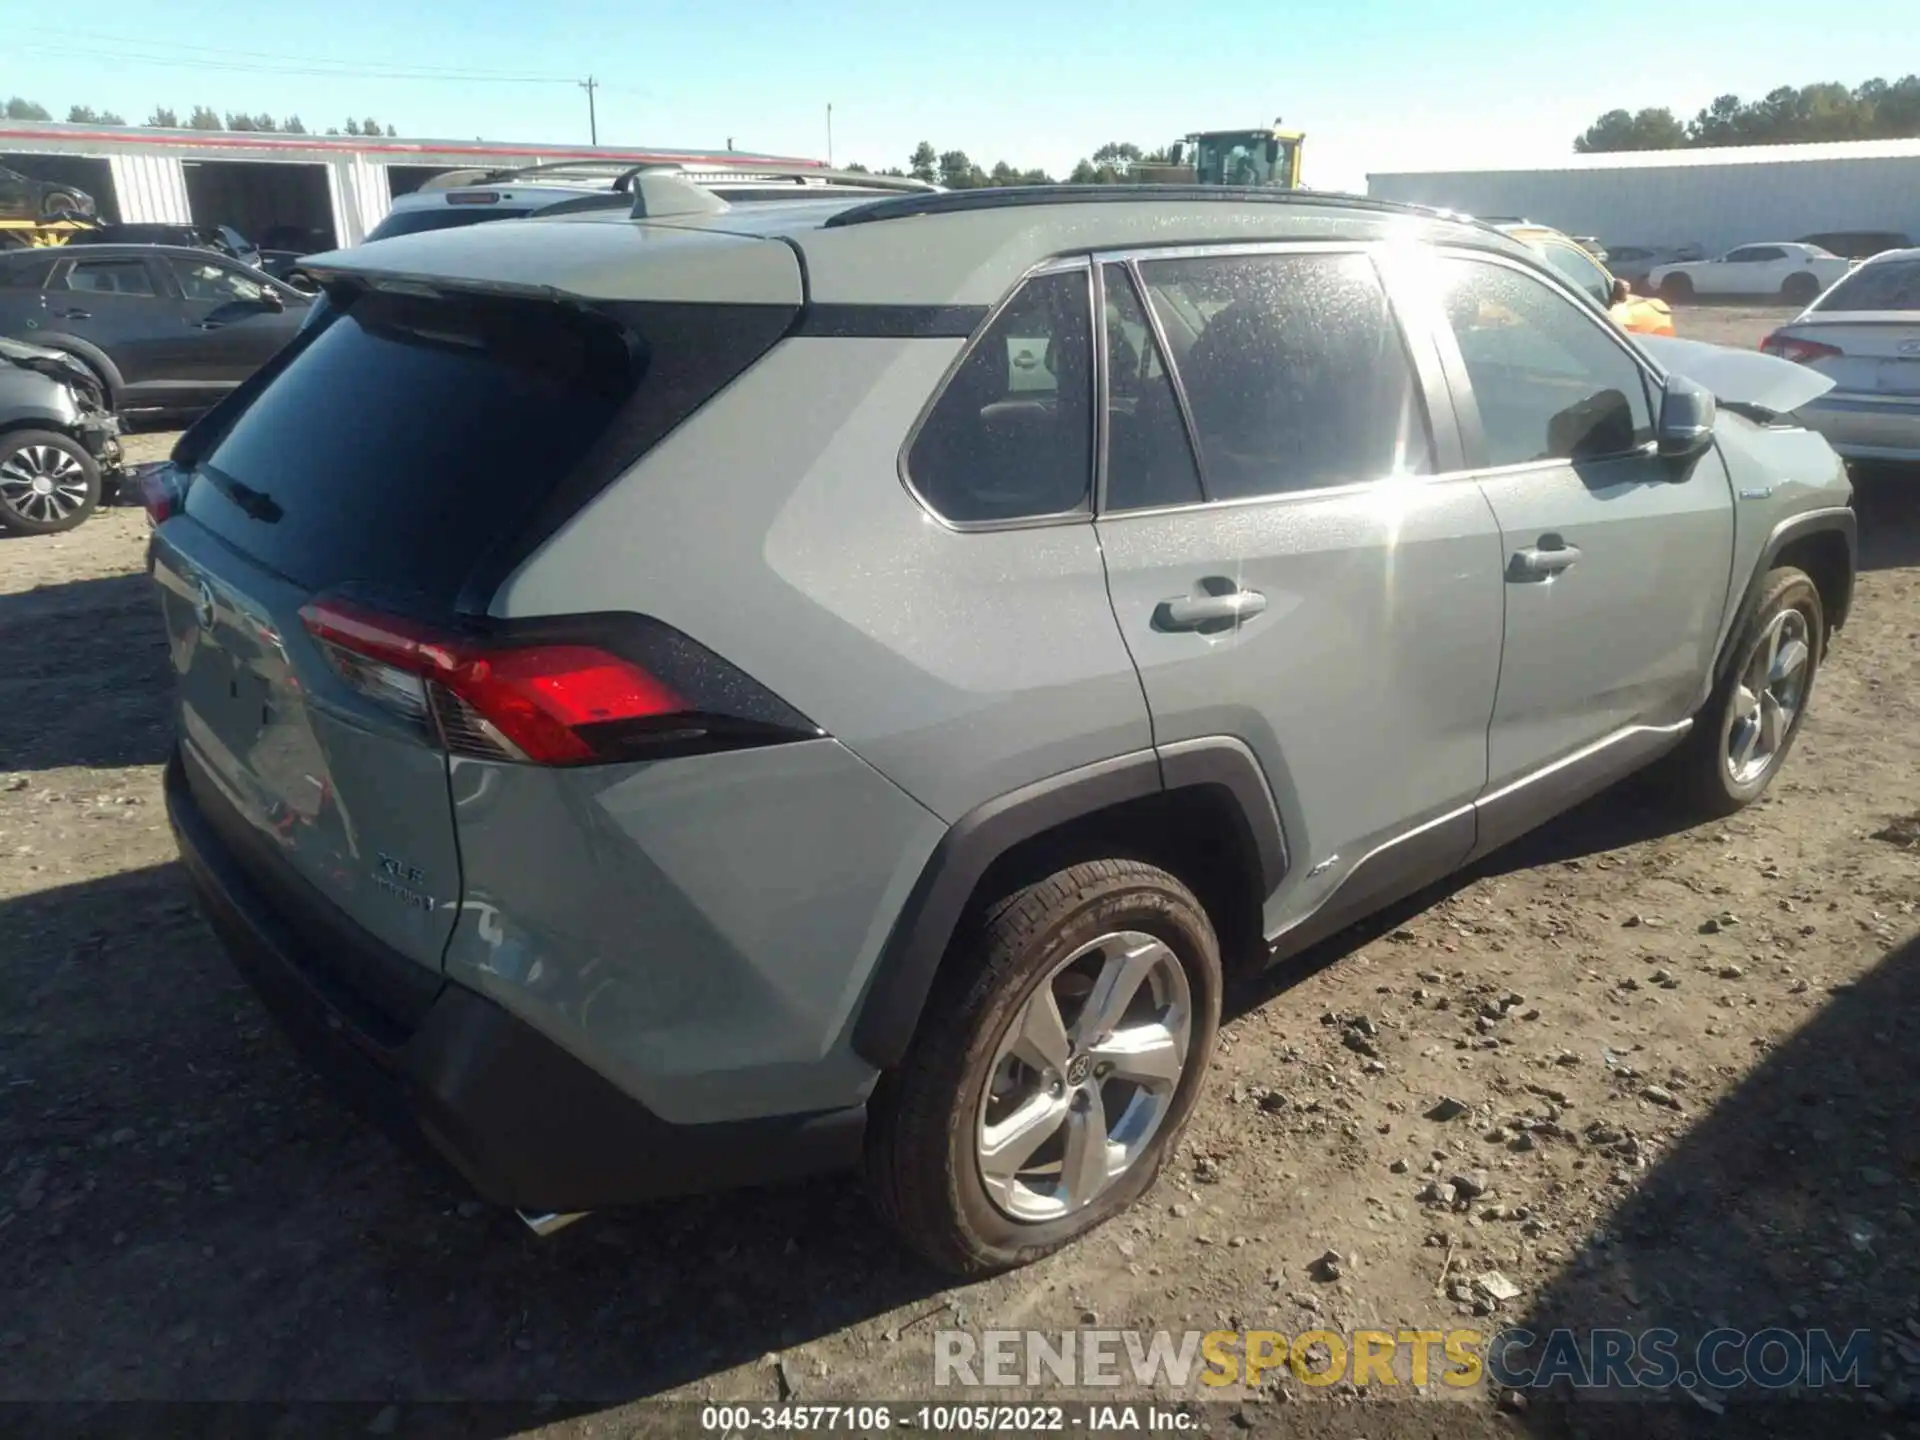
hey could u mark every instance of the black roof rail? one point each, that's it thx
(953, 202)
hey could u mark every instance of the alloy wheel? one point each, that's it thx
(42, 483)
(1084, 1076)
(1772, 688)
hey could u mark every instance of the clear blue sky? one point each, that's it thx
(1376, 84)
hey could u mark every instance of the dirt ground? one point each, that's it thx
(1688, 1059)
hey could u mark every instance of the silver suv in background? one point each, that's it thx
(842, 683)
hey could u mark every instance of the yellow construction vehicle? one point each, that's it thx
(21, 233)
(1264, 156)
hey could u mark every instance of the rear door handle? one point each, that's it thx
(74, 314)
(208, 324)
(1191, 612)
(1543, 561)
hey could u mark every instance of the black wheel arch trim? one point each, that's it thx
(1834, 520)
(890, 1011)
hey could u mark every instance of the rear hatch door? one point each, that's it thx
(416, 437)
(395, 448)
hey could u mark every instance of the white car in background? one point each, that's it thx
(1792, 271)
(1864, 335)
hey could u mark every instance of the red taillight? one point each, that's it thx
(160, 492)
(1801, 352)
(551, 701)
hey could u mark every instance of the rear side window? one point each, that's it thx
(1549, 380)
(444, 217)
(1889, 285)
(404, 441)
(1011, 436)
(1294, 369)
(111, 277)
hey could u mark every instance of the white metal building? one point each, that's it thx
(333, 189)
(1716, 198)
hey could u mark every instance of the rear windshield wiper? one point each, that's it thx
(254, 504)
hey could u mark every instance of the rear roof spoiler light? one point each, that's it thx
(577, 691)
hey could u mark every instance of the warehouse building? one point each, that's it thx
(1714, 198)
(295, 192)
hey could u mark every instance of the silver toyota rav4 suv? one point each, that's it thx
(703, 695)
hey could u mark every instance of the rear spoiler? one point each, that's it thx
(1762, 387)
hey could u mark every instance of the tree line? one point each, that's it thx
(1875, 110)
(201, 117)
(1111, 164)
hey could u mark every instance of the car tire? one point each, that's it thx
(59, 205)
(1676, 289)
(48, 482)
(1741, 736)
(1799, 289)
(1082, 935)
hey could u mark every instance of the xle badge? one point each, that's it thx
(397, 878)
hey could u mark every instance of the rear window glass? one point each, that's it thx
(1890, 285)
(446, 217)
(404, 438)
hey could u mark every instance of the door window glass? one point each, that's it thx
(1011, 436)
(1297, 378)
(1149, 460)
(1549, 380)
(208, 280)
(111, 277)
(1578, 267)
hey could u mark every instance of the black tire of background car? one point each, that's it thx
(61, 205)
(11, 444)
(1799, 289)
(921, 1157)
(1676, 287)
(1697, 770)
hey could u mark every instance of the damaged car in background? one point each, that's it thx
(59, 444)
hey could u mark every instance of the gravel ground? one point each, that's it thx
(1687, 1064)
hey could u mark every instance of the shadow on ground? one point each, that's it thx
(1789, 1204)
(188, 1216)
(83, 676)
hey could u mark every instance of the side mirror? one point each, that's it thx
(1176, 153)
(271, 299)
(1685, 430)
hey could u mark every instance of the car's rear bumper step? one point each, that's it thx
(528, 1124)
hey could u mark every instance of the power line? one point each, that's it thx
(65, 39)
(234, 67)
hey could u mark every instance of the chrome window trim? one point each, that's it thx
(1287, 497)
(1081, 514)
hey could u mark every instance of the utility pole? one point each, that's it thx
(593, 120)
(829, 134)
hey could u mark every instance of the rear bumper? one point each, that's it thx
(1866, 429)
(448, 1072)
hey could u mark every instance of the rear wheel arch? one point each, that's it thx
(1202, 810)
